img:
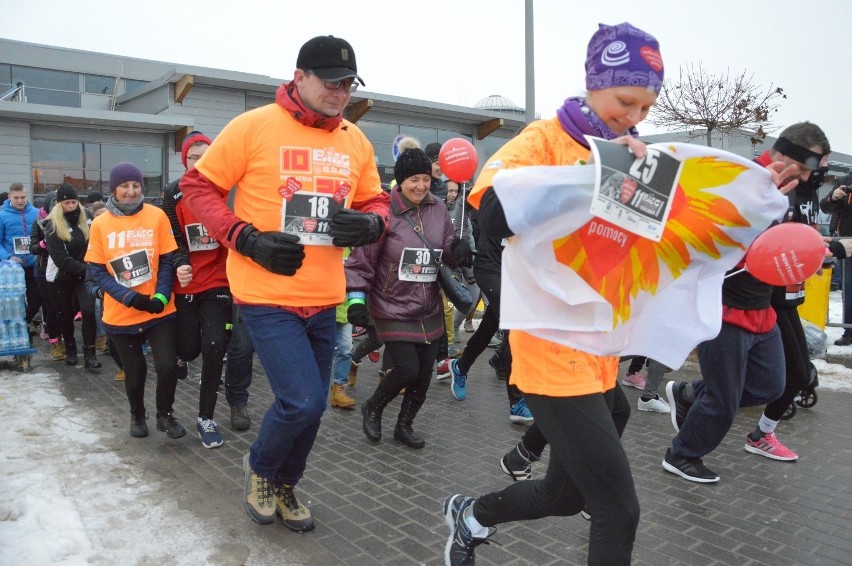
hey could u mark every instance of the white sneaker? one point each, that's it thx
(656, 405)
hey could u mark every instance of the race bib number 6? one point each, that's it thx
(308, 215)
(132, 269)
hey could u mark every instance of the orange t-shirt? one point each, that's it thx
(277, 165)
(117, 243)
(540, 366)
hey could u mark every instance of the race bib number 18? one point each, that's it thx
(307, 215)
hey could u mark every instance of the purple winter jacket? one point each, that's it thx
(374, 269)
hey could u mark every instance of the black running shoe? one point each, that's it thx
(170, 425)
(692, 469)
(461, 543)
(679, 405)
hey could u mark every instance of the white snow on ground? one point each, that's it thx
(65, 498)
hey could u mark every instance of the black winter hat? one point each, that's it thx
(411, 162)
(66, 192)
(432, 151)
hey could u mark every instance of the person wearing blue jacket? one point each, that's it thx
(16, 219)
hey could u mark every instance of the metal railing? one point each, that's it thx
(14, 94)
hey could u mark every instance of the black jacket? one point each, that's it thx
(842, 209)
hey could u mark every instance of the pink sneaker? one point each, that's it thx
(374, 356)
(771, 447)
(633, 380)
(43, 333)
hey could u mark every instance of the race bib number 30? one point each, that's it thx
(418, 265)
(307, 215)
(132, 269)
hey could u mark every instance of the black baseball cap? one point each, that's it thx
(330, 58)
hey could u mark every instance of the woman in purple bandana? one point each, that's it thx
(581, 412)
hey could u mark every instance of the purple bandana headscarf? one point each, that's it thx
(623, 55)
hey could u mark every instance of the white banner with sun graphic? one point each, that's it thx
(578, 280)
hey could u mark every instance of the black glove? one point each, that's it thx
(460, 248)
(275, 251)
(350, 228)
(146, 304)
(357, 314)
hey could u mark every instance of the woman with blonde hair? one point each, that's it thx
(67, 237)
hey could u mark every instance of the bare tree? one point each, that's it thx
(705, 104)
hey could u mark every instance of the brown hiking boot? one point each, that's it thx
(120, 375)
(339, 398)
(296, 516)
(353, 374)
(57, 351)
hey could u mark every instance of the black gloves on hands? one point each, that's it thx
(350, 228)
(274, 251)
(462, 253)
(357, 314)
(146, 304)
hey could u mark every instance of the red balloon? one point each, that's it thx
(786, 254)
(458, 160)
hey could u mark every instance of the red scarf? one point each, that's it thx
(288, 97)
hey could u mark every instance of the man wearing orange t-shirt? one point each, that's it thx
(307, 185)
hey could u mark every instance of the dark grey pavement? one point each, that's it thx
(381, 503)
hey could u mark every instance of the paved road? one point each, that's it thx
(380, 504)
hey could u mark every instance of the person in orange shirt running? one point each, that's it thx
(130, 259)
(307, 185)
(573, 409)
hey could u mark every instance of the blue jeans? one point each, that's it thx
(240, 362)
(99, 323)
(342, 353)
(296, 354)
(740, 369)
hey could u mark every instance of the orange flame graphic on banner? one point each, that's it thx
(618, 264)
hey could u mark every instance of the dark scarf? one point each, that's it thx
(73, 216)
(124, 208)
(288, 98)
(577, 119)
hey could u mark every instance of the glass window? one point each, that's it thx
(5, 78)
(96, 84)
(424, 135)
(149, 159)
(53, 97)
(46, 78)
(130, 85)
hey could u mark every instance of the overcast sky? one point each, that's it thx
(460, 51)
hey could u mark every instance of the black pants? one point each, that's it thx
(49, 314)
(34, 296)
(412, 369)
(203, 323)
(535, 442)
(588, 469)
(796, 360)
(161, 337)
(370, 344)
(489, 284)
(240, 363)
(64, 294)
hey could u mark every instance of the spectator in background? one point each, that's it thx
(92, 199)
(67, 237)
(49, 314)
(838, 203)
(16, 220)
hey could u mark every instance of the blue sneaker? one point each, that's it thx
(461, 543)
(459, 384)
(519, 413)
(208, 432)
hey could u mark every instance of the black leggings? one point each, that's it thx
(796, 360)
(588, 469)
(63, 294)
(412, 369)
(489, 284)
(202, 323)
(161, 337)
(535, 442)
